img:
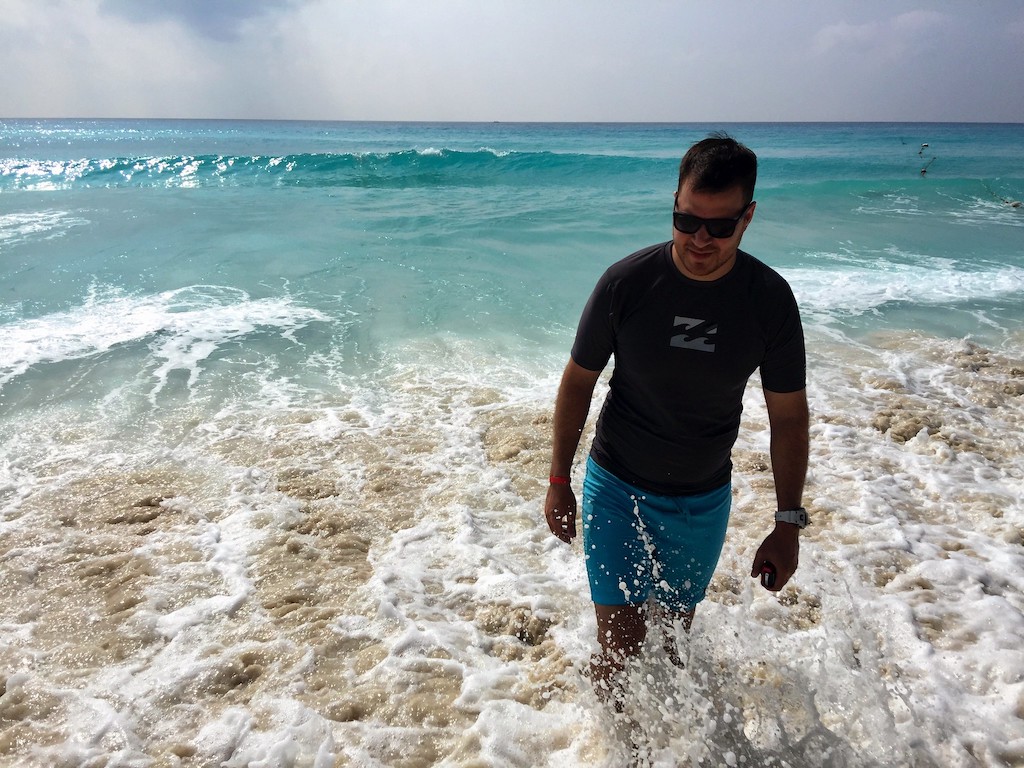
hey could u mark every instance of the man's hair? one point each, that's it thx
(717, 164)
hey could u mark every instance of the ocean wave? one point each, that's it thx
(411, 167)
(846, 291)
(183, 327)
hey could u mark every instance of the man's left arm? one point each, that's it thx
(789, 424)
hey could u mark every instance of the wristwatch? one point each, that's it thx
(796, 516)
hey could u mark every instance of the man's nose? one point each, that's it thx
(701, 235)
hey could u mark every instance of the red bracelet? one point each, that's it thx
(558, 480)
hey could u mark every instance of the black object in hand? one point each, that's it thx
(767, 575)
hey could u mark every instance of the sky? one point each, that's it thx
(515, 60)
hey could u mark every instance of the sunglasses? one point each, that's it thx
(688, 224)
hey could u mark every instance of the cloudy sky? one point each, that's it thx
(585, 60)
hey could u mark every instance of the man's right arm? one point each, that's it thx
(571, 408)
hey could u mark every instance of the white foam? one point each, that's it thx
(847, 290)
(984, 212)
(36, 225)
(899, 638)
(184, 326)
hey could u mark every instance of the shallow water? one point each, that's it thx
(273, 462)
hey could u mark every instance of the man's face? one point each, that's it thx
(700, 256)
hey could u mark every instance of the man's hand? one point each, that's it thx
(571, 408)
(560, 511)
(781, 548)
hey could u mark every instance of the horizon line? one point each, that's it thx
(526, 122)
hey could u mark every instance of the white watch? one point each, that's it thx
(796, 516)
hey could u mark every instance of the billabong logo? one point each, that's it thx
(698, 334)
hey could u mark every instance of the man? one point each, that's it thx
(688, 322)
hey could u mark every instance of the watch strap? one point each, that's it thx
(796, 516)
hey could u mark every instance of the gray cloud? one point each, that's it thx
(216, 19)
(513, 60)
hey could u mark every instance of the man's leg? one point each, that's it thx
(619, 572)
(687, 533)
(667, 619)
(621, 630)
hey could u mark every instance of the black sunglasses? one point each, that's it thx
(688, 224)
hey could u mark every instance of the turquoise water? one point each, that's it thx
(273, 409)
(520, 218)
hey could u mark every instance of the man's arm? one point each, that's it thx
(571, 408)
(789, 423)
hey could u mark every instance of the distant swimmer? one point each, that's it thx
(924, 170)
(922, 149)
(1011, 203)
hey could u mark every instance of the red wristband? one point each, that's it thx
(558, 480)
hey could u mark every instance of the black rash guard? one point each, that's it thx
(684, 350)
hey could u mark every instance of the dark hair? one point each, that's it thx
(717, 164)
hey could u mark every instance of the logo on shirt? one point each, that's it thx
(698, 334)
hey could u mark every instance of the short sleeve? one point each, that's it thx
(784, 368)
(595, 334)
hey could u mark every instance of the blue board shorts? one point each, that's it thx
(637, 544)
